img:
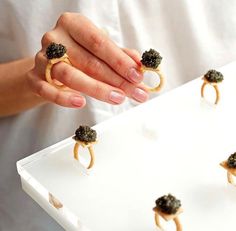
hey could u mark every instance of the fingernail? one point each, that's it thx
(140, 95)
(77, 101)
(134, 75)
(116, 97)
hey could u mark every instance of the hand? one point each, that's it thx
(100, 68)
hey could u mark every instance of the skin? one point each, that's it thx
(101, 70)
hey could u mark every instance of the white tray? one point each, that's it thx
(172, 144)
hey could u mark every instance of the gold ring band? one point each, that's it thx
(230, 178)
(168, 217)
(90, 148)
(231, 172)
(159, 73)
(49, 66)
(174, 218)
(215, 86)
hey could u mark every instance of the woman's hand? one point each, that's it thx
(100, 68)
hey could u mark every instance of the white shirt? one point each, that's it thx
(191, 35)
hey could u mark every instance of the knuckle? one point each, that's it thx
(64, 19)
(58, 98)
(97, 42)
(47, 38)
(93, 67)
(118, 64)
(38, 58)
(40, 62)
(97, 91)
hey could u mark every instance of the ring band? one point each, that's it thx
(85, 145)
(230, 178)
(230, 172)
(168, 217)
(215, 86)
(159, 73)
(49, 66)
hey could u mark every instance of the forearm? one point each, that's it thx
(15, 93)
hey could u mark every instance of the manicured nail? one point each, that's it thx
(140, 95)
(77, 101)
(134, 75)
(116, 97)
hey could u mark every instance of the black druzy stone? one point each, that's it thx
(214, 76)
(168, 204)
(55, 51)
(85, 134)
(151, 59)
(231, 162)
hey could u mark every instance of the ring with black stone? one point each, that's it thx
(212, 77)
(151, 62)
(230, 166)
(55, 53)
(169, 208)
(86, 137)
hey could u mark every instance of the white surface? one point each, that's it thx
(172, 144)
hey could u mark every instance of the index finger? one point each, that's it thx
(84, 32)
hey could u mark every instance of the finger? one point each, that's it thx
(40, 63)
(79, 81)
(91, 38)
(134, 54)
(50, 93)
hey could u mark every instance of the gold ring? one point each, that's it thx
(161, 77)
(90, 148)
(212, 77)
(85, 137)
(168, 208)
(151, 62)
(215, 86)
(55, 53)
